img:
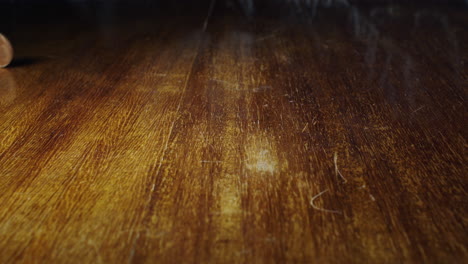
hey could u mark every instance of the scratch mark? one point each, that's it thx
(211, 161)
(337, 171)
(372, 197)
(417, 110)
(312, 200)
(305, 127)
(314, 121)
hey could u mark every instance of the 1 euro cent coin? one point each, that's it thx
(6, 51)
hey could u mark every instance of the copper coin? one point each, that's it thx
(6, 51)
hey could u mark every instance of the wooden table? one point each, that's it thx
(291, 135)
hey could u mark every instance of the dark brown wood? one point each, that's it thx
(335, 136)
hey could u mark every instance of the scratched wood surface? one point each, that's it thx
(310, 136)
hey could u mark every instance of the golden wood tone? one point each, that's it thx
(329, 137)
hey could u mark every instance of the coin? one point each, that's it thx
(6, 51)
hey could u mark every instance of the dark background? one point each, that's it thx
(18, 11)
(16, 16)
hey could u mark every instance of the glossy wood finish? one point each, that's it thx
(335, 136)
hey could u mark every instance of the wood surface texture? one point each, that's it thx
(333, 135)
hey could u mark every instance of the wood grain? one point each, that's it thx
(336, 136)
